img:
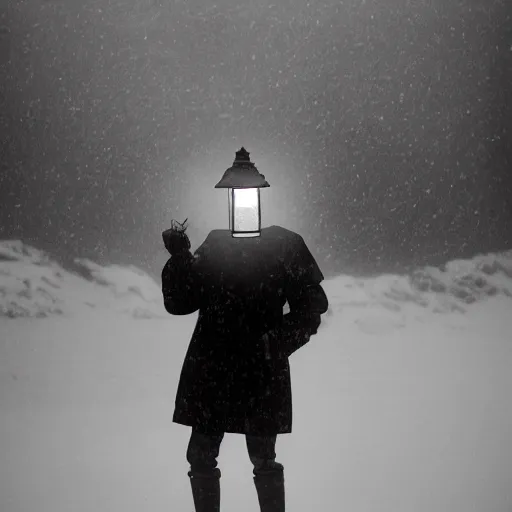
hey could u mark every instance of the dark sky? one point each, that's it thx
(383, 126)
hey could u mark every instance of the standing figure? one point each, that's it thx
(236, 375)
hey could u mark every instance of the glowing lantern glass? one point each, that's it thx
(243, 182)
(244, 211)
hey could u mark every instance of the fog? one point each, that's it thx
(382, 127)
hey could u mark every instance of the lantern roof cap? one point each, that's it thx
(242, 174)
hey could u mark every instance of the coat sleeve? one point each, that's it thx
(180, 285)
(305, 296)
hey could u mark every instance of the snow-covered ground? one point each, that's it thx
(402, 401)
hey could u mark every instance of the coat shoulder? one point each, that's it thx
(282, 232)
(288, 240)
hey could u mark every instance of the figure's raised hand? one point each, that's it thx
(175, 239)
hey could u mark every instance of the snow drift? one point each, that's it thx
(451, 288)
(32, 284)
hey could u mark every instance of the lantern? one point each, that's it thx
(243, 182)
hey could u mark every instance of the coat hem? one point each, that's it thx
(204, 429)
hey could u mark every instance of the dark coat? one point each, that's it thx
(232, 380)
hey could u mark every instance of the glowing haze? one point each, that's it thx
(383, 127)
(201, 172)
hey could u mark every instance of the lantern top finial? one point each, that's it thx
(242, 155)
(242, 174)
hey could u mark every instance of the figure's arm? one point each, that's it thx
(180, 284)
(306, 298)
(307, 304)
(180, 287)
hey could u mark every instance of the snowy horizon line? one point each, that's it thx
(34, 284)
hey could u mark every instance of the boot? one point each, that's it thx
(270, 489)
(205, 491)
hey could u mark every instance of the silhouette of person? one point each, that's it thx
(236, 375)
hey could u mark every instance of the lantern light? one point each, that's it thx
(243, 182)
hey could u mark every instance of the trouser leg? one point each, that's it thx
(268, 474)
(202, 453)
